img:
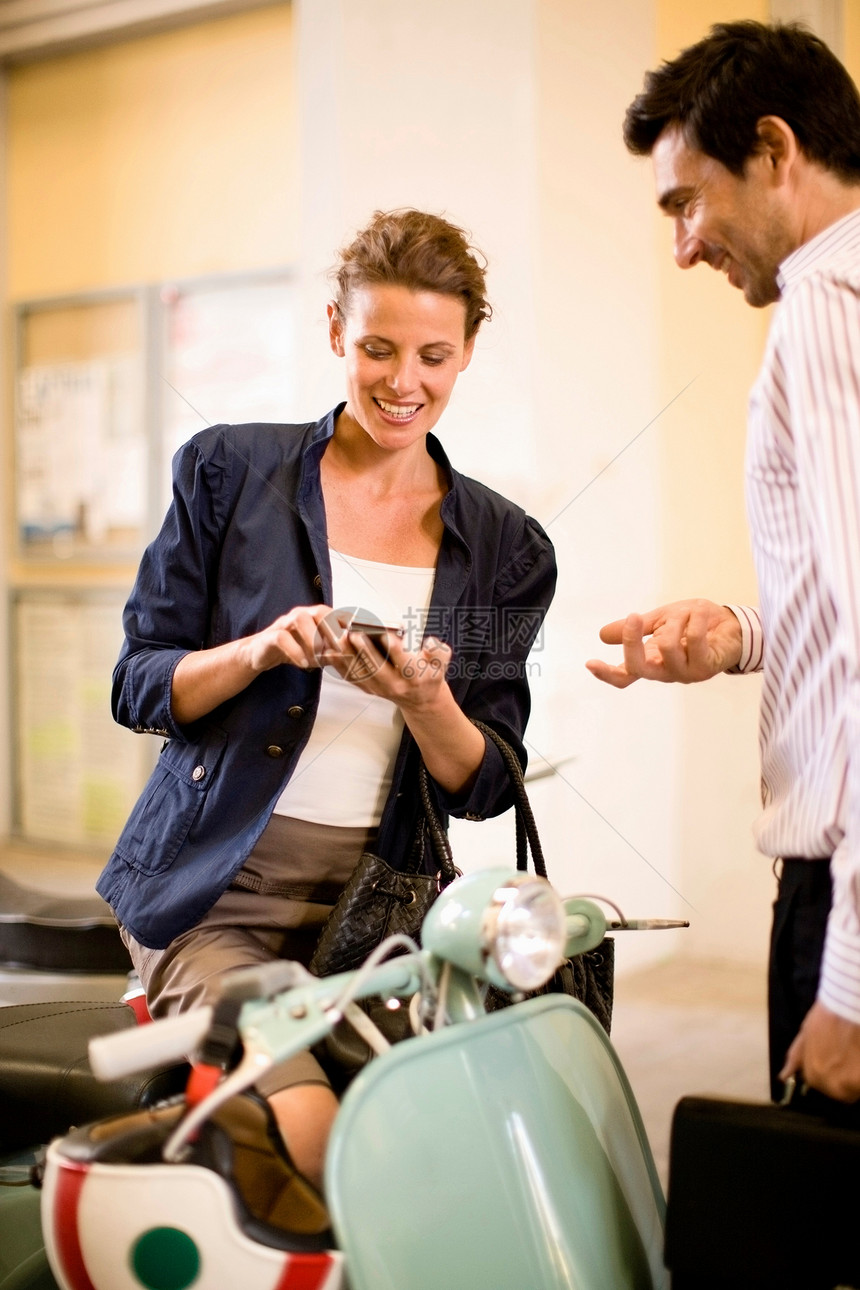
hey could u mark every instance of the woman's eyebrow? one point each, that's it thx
(383, 340)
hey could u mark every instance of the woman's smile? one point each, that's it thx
(398, 413)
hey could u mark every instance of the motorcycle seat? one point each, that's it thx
(46, 1084)
(49, 933)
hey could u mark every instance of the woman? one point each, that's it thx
(293, 743)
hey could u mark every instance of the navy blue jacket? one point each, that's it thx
(243, 542)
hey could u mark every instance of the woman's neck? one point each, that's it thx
(353, 456)
(382, 505)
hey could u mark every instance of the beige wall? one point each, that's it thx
(852, 38)
(168, 155)
(596, 398)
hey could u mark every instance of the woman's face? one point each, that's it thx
(404, 350)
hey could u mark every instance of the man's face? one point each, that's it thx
(738, 225)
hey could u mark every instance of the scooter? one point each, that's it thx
(500, 1150)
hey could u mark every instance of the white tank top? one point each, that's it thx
(343, 776)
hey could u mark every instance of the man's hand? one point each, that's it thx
(688, 640)
(826, 1054)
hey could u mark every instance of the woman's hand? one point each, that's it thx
(415, 680)
(382, 665)
(312, 636)
(205, 678)
(295, 638)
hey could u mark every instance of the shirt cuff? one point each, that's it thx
(752, 639)
(481, 799)
(839, 986)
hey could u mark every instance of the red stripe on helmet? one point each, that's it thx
(67, 1194)
(305, 1272)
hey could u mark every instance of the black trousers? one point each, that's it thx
(800, 915)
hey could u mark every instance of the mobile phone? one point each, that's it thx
(374, 629)
(376, 632)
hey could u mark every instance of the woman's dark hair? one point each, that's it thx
(409, 248)
(718, 90)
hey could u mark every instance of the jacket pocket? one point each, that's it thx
(173, 798)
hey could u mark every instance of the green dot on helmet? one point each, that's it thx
(165, 1258)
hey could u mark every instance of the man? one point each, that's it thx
(754, 136)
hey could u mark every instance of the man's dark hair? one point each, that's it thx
(716, 92)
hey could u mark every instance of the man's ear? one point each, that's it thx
(776, 145)
(335, 329)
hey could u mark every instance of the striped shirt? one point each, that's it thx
(803, 501)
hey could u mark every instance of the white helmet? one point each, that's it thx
(233, 1213)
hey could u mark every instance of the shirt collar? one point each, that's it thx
(841, 237)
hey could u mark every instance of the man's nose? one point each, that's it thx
(689, 249)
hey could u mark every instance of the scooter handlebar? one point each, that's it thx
(156, 1043)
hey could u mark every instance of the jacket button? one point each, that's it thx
(317, 582)
(198, 773)
(295, 712)
(274, 750)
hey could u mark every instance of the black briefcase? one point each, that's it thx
(762, 1197)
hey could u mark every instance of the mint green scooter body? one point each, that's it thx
(505, 1153)
(23, 1261)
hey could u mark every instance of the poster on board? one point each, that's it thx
(78, 772)
(230, 356)
(81, 457)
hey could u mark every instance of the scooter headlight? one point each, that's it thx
(508, 928)
(524, 931)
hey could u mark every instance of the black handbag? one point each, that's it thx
(379, 901)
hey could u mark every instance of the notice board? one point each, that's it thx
(107, 386)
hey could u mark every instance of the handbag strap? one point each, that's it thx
(527, 834)
(438, 834)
